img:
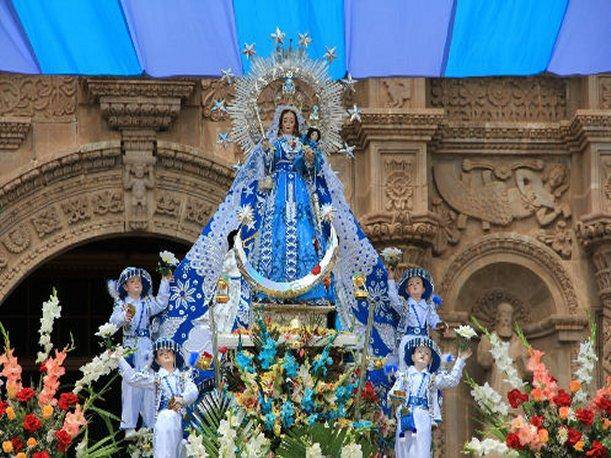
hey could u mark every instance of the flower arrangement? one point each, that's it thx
(391, 255)
(40, 421)
(285, 396)
(167, 263)
(545, 420)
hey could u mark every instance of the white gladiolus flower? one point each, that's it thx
(314, 451)
(586, 361)
(107, 330)
(391, 254)
(195, 447)
(80, 449)
(489, 447)
(257, 447)
(168, 258)
(500, 352)
(50, 311)
(489, 400)
(103, 364)
(466, 332)
(351, 451)
(227, 436)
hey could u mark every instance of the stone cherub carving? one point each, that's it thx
(484, 190)
(138, 178)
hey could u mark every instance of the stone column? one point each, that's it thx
(590, 140)
(139, 109)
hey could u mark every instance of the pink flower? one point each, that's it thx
(11, 370)
(51, 379)
(74, 421)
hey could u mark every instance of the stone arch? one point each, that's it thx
(81, 196)
(517, 250)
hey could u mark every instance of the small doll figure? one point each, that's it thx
(173, 391)
(417, 305)
(134, 310)
(416, 394)
(312, 137)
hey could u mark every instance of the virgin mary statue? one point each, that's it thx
(297, 237)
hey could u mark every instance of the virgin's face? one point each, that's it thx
(288, 122)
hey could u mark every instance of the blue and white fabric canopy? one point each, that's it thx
(452, 38)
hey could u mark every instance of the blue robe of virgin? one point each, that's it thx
(284, 241)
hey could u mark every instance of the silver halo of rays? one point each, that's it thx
(284, 63)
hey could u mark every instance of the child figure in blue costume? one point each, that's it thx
(173, 391)
(134, 308)
(416, 394)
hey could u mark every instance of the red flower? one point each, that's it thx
(603, 404)
(516, 398)
(66, 400)
(25, 394)
(574, 436)
(3, 406)
(316, 269)
(597, 449)
(18, 443)
(536, 420)
(562, 399)
(31, 423)
(63, 440)
(42, 367)
(369, 393)
(513, 441)
(43, 454)
(222, 350)
(586, 416)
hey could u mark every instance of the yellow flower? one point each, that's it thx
(7, 446)
(575, 386)
(10, 413)
(563, 412)
(47, 411)
(21, 455)
(31, 442)
(277, 428)
(579, 446)
(543, 435)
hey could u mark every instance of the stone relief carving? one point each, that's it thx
(76, 210)
(168, 205)
(396, 92)
(399, 186)
(109, 201)
(138, 180)
(483, 190)
(18, 240)
(198, 211)
(38, 96)
(605, 92)
(486, 306)
(13, 131)
(448, 233)
(560, 239)
(500, 99)
(46, 222)
(214, 90)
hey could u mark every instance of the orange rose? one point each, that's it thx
(537, 394)
(21, 455)
(31, 442)
(575, 386)
(543, 435)
(563, 412)
(47, 411)
(579, 446)
(10, 413)
(7, 446)
(606, 423)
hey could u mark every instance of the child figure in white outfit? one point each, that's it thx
(133, 310)
(173, 390)
(416, 395)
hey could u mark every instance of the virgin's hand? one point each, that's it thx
(178, 403)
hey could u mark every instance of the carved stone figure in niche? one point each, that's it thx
(483, 190)
(138, 178)
(504, 329)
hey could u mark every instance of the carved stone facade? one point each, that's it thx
(502, 187)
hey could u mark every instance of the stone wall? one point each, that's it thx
(501, 186)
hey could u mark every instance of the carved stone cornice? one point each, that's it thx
(384, 227)
(394, 124)
(589, 126)
(13, 131)
(521, 137)
(135, 104)
(593, 231)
